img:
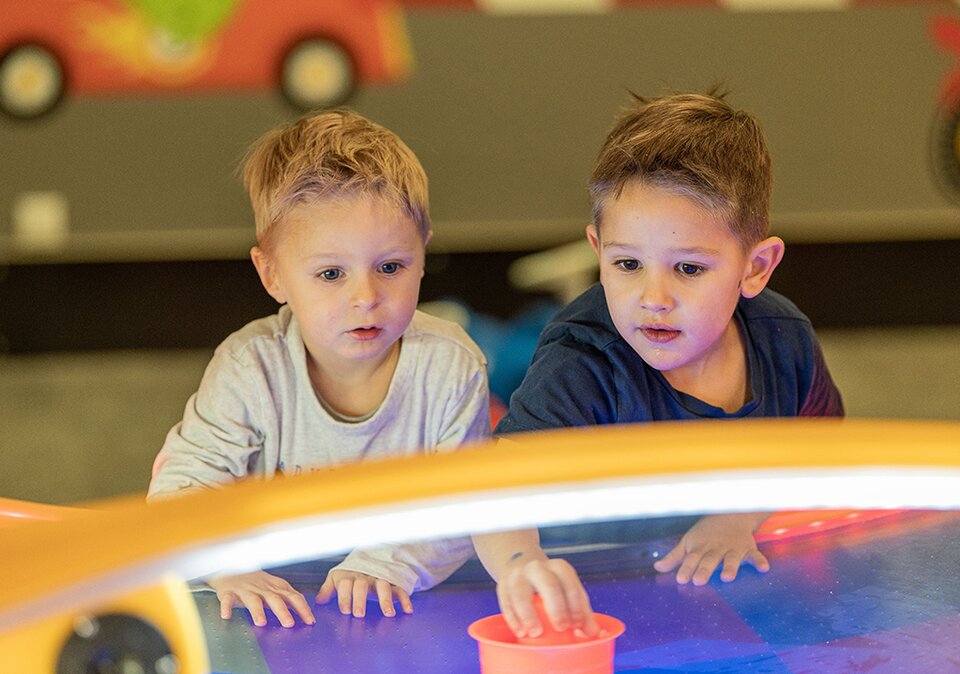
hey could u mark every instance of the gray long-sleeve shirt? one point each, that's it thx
(256, 414)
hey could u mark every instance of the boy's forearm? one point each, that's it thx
(499, 550)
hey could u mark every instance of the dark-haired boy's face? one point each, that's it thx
(671, 272)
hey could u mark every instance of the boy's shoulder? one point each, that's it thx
(443, 334)
(585, 319)
(770, 305)
(269, 333)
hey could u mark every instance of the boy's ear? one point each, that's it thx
(593, 236)
(426, 240)
(762, 260)
(268, 274)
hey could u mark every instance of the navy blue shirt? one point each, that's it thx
(584, 373)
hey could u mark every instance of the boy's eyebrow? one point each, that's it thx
(320, 257)
(691, 250)
(327, 256)
(697, 250)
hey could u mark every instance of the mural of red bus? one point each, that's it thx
(316, 52)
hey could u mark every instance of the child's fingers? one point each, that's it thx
(385, 597)
(541, 578)
(360, 590)
(578, 602)
(255, 605)
(731, 565)
(553, 590)
(326, 591)
(279, 607)
(226, 605)
(526, 614)
(670, 561)
(405, 604)
(691, 563)
(345, 595)
(512, 592)
(758, 561)
(708, 564)
(300, 606)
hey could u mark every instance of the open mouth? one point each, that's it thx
(365, 334)
(660, 335)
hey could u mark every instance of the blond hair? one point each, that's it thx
(337, 153)
(694, 145)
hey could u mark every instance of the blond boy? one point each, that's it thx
(347, 370)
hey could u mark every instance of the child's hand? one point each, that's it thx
(712, 540)
(252, 590)
(352, 588)
(564, 600)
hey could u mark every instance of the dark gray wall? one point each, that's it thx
(507, 113)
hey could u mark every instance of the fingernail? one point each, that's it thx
(536, 632)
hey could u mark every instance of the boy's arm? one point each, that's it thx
(515, 560)
(219, 435)
(411, 567)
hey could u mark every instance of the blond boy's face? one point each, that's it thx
(350, 270)
(672, 275)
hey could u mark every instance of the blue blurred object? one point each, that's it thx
(508, 345)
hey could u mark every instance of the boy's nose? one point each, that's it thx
(365, 293)
(655, 295)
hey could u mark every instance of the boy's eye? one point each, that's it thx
(390, 267)
(688, 269)
(628, 264)
(330, 274)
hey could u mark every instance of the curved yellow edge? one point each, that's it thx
(169, 607)
(15, 511)
(47, 559)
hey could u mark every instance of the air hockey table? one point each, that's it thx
(875, 588)
(867, 592)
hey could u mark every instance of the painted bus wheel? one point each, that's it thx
(945, 142)
(317, 73)
(31, 81)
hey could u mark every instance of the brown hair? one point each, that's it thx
(327, 155)
(695, 145)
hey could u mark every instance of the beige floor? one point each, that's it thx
(78, 427)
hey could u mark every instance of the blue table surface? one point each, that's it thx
(881, 596)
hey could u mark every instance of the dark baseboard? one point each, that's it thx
(197, 303)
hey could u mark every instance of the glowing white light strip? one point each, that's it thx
(482, 512)
(934, 488)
